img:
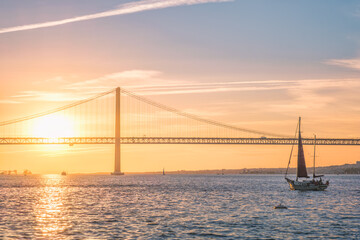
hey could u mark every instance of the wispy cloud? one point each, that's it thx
(305, 93)
(353, 63)
(313, 94)
(151, 82)
(128, 8)
(9, 102)
(114, 79)
(57, 79)
(49, 96)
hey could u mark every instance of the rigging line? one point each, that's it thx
(194, 117)
(54, 110)
(292, 148)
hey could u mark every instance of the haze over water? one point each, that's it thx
(175, 207)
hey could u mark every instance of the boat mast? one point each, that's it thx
(314, 155)
(299, 140)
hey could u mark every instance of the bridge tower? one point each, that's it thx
(117, 170)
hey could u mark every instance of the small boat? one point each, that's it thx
(280, 206)
(316, 183)
(63, 173)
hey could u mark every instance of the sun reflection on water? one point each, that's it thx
(50, 210)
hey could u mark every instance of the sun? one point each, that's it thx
(53, 126)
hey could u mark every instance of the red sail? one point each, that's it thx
(301, 167)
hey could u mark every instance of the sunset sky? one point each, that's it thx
(256, 64)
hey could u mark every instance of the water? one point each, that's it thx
(175, 207)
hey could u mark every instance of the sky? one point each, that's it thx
(257, 64)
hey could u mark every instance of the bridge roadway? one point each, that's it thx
(176, 140)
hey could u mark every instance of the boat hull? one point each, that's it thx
(307, 185)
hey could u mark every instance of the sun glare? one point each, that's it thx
(53, 127)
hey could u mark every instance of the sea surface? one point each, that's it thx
(175, 207)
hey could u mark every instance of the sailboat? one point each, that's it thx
(163, 171)
(316, 183)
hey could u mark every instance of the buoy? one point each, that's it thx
(280, 206)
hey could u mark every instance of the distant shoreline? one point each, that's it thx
(335, 169)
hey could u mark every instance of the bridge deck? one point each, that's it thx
(177, 140)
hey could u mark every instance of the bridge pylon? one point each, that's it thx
(117, 170)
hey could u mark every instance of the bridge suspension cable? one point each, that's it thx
(197, 118)
(141, 120)
(37, 115)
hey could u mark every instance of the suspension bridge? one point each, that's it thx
(122, 117)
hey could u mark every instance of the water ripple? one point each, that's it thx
(175, 207)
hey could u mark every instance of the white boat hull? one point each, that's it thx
(307, 185)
